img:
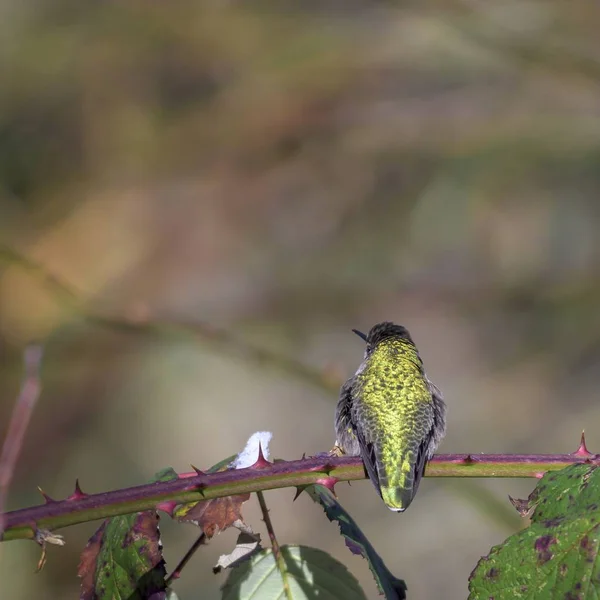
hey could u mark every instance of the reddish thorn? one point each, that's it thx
(261, 461)
(329, 483)
(582, 451)
(539, 475)
(47, 498)
(303, 456)
(299, 490)
(198, 471)
(469, 459)
(78, 494)
(167, 506)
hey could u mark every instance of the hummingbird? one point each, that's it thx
(390, 414)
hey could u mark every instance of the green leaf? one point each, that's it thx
(123, 559)
(556, 557)
(391, 587)
(166, 474)
(312, 573)
(222, 464)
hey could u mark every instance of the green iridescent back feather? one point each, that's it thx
(395, 414)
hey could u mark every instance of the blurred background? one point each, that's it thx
(283, 175)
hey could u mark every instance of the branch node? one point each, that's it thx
(167, 506)
(44, 537)
(329, 483)
(328, 467)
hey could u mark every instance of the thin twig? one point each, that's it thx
(71, 300)
(19, 421)
(176, 574)
(279, 560)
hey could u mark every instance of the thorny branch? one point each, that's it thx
(80, 507)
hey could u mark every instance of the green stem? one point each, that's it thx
(200, 541)
(279, 560)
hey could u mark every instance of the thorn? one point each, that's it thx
(303, 456)
(329, 483)
(167, 506)
(328, 467)
(522, 506)
(261, 461)
(582, 451)
(200, 488)
(78, 494)
(299, 490)
(198, 471)
(470, 459)
(47, 498)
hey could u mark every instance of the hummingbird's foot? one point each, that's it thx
(336, 451)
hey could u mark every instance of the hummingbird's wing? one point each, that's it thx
(433, 437)
(344, 429)
(439, 418)
(365, 443)
(351, 437)
(422, 458)
(369, 457)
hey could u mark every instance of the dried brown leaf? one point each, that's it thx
(216, 515)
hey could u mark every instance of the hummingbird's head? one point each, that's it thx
(381, 332)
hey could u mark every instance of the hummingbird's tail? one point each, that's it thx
(397, 498)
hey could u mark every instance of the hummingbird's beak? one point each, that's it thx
(360, 334)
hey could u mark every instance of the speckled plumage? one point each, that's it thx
(391, 414)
